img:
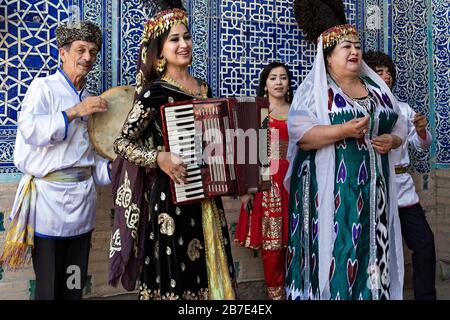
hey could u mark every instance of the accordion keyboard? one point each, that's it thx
(223, 144)
(182, 140)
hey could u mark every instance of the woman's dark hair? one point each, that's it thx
(380, 59)
(265, 74)
(154, 48)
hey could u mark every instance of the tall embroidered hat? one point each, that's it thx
(324, 18)
(83, 30)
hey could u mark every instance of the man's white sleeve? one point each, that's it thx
(39, 125)
(101, 172)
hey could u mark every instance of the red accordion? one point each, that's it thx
(224, 144)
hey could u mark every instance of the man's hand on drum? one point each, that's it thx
(173, 166)
(87, 107)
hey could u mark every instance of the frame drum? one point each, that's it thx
(105, 127)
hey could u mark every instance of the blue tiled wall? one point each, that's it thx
(233, 40)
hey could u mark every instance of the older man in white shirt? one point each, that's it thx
(54, 211)
(415, 229)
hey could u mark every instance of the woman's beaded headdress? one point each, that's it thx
(163, 21)
(338, 34)
(168, 14)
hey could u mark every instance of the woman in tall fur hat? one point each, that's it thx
(344, 236)
(176, 251)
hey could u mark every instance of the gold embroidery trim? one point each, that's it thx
(123, 198)
(272, 227)
(278, 149)
(132, 212)
(338, 34)
(272, 231)
(219, 280)
(147, 294)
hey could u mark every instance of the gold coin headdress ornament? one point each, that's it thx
(338, 34)
(163, 21)
(165, 14)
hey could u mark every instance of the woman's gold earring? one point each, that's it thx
(288, 96)
(265, 93)
(160, 65)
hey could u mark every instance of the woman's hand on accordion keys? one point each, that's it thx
(173, 166)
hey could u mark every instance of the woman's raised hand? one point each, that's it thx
(173, 166)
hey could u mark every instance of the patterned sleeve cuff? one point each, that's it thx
(152, 159)
(108, 168)
(66, 122)
(135, 153)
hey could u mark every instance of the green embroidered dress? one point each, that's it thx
(359, 266)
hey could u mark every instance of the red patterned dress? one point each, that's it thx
(265, 227)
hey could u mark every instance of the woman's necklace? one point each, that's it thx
(365, 102)
(276, 114)
(181, 87)
(348, 96)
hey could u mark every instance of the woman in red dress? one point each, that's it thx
(263, 220)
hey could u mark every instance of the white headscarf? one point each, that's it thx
(308, 109)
